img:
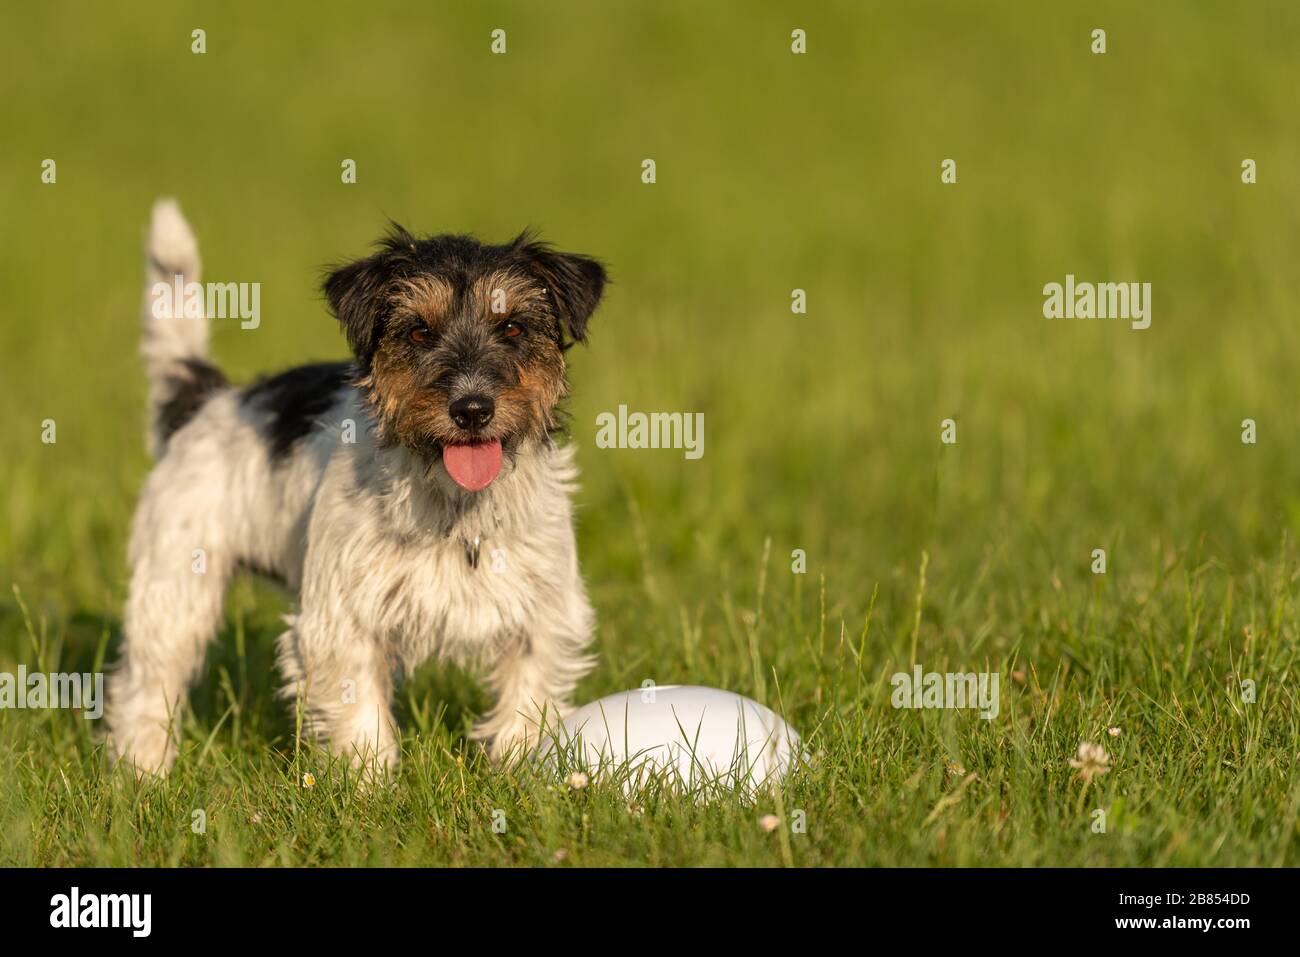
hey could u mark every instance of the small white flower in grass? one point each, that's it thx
(560, 855)
(578, 780)
(308, 779)
(769, 822)
(1090, 761)
(1114, 732)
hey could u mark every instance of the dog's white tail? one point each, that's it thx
(175, 340)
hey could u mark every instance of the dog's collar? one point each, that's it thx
(474, 546)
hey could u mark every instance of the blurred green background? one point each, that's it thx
(775, 171)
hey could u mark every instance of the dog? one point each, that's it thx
(415, 498)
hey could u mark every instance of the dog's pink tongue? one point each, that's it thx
(472, 467)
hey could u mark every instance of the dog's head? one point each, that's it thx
(461, 345)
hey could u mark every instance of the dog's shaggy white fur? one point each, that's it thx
(372, 538)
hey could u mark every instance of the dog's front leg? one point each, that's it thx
(341, 680)
(533, 679)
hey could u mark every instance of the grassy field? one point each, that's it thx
(775, 171)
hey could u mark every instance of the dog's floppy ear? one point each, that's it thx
(575, 283)
(355, 292)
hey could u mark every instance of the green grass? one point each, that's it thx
(775, 172)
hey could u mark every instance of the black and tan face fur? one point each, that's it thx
(461, 343)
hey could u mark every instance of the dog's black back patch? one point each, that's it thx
(187, 391)
(297, 399)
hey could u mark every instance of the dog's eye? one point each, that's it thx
(512, 330)
(421, 335)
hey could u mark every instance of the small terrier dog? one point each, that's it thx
(413, 498)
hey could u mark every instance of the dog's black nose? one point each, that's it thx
(472, 412)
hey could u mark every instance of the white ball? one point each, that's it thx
(691, 737)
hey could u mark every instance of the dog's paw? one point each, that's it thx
(148, 749)
(374, 763)
(375, 777)
(506, 745)
(509, 740)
